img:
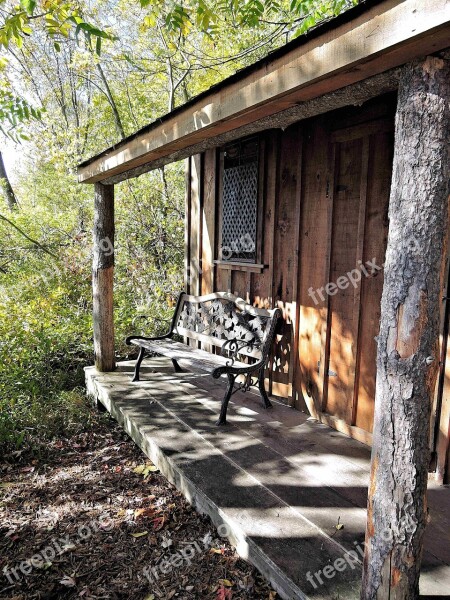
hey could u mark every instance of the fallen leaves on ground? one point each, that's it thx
(92, 513)
(145, 470)
(68, 581)
(138, 535)
(223, 593)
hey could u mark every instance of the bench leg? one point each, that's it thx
(138, 364)
(265, 398)
(176, 366)
(223, 411)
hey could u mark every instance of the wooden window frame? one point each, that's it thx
(255, 265)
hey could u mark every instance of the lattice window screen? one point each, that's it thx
(240, 204)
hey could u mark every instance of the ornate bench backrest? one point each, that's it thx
(221, 318)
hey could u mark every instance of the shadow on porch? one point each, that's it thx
(276, 482)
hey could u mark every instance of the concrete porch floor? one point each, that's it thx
(280, 482)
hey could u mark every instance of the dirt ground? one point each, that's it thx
(91, 517)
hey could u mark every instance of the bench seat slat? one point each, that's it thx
(198, 359)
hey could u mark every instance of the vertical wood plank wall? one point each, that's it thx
(285, 258)
(324, 194)
(315, 238)
(196, 222)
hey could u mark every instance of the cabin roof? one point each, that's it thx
(374, 37)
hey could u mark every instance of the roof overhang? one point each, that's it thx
(363, 43)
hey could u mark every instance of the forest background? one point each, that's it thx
(75, 78)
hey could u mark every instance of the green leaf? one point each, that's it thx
(28, 5)
(84, 26)
(150, 20)
(141, 534)
(145, 470)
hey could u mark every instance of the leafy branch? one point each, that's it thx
(26, 236)
(204, 15)
(58, 17)
(14, 112)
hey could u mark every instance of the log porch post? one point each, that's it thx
(103, 277)
(408, 356)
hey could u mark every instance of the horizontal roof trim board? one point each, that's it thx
(352, 95)
(383, 36)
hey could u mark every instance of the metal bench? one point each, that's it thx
(243, 334)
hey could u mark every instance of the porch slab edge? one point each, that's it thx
(244, 545)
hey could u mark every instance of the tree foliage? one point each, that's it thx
(14, 112)
(57, 17)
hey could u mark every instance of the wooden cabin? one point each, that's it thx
(295, 168)
(274, 218)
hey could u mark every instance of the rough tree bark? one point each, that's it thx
(103, 277)
(407, 361)
(7, 187)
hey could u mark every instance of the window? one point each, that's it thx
(239, 206)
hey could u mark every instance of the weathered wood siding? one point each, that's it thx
(324, 192)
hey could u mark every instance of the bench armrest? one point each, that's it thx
(216, 373)
(235, 347)
(130, 338)
(169, 334)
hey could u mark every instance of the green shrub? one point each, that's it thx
(46, 306)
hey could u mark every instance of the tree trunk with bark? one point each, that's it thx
(408, 353)
(7, 187)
